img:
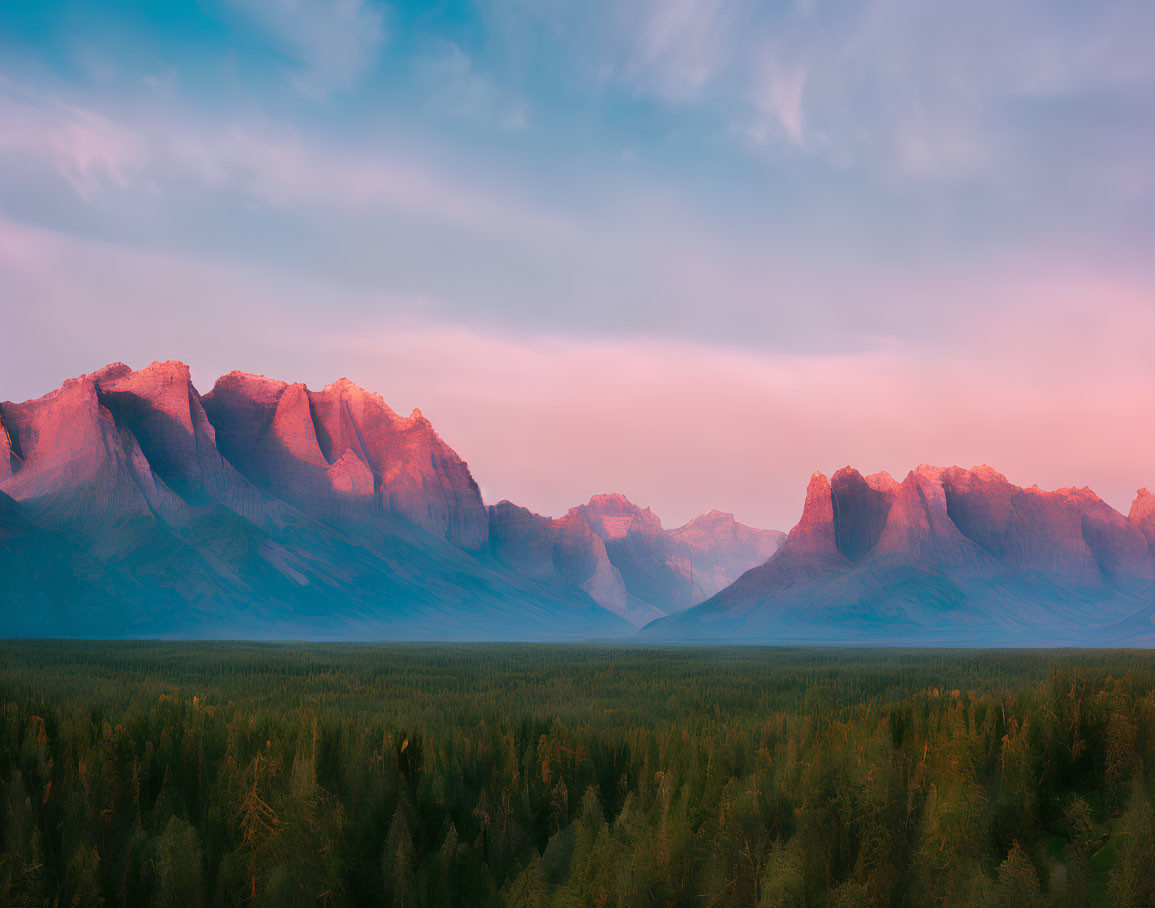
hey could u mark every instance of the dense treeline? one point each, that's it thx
(189, 774)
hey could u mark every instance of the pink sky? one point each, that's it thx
(1049, 380)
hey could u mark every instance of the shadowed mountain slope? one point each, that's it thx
(132, 506)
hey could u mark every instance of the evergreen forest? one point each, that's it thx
(180, 773)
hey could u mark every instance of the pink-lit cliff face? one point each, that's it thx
(131, 505)
(343, 451)
(265, 502)
(948, 553)
(68, 440)
(1142, 515)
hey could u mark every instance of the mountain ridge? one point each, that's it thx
(948, 555)
(133, 505)
(622, 556)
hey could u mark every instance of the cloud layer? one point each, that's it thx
(1041, 392)
(690, 250)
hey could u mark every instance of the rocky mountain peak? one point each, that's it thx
(814, 531)
(613, 516)
(1142, 516)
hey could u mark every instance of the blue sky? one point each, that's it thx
(608, 235)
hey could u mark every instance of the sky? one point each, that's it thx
(687, 250)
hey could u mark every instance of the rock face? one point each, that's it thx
(130, 505)
(163, 411)
(1142, 515)
(619, 554)
(341, 453)
(946, 556)
(79, 471)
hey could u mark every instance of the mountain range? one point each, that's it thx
(131, 505)
(947, 556)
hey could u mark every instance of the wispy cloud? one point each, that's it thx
(456, 85)
(892, 88)
(334, 42)
(265, 161)
(681, 425)
(88, 150)
(779, 96)
(679, 46)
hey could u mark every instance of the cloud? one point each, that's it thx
(897, 90)
(335, 42)
(779, 95)
(265, 161)
(456, 85)
(88, 150)
(951, 148)
(679, 47)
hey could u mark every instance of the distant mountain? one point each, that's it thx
(132, 506)
(722, 550)
(619, 554)
(946, 556)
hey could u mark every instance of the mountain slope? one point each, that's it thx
(620, 555)
(946, 556)
(132, 506)
(341, 453)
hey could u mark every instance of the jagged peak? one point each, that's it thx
(817, 491)
(111, 372)
(259, 387)
(615, 515)
(819, 498)
(616, 497)
(1074, 493)
(166, 367)
(120, 377)
(814, 532)
(847, 472)
(347, 388)
(241, 375)
(985, 471)
(882, 481)
(606, 501)
(1143, 507)
(928, 471)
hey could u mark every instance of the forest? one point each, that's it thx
(179, 773)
